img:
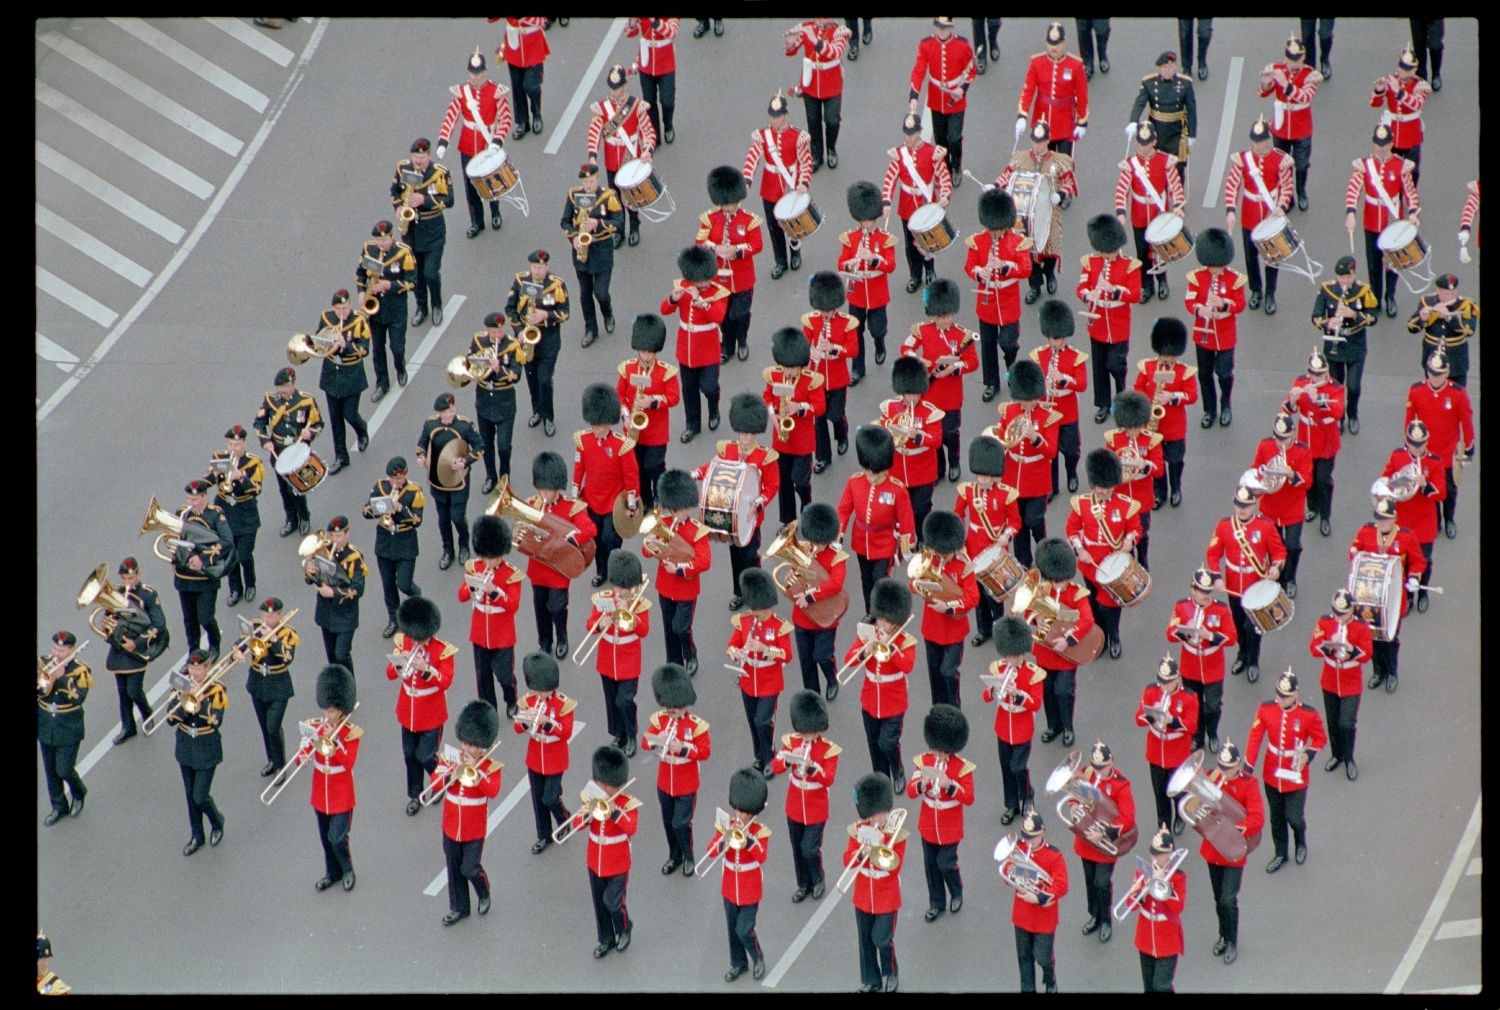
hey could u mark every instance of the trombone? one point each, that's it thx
(623, 618)
(189, 698)
(881, 648)
(48, 672)
(881, 855)
(732, 835)
(1149, 877)
(596, 807)
(313, 738)
(465, 774)
(258, 639)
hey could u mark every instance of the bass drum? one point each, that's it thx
(726, 501)
(1375, 582)
(1032, 192)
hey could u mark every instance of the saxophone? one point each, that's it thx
(1163, 375)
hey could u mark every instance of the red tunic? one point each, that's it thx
(1287, 506)
(858, 250)
(524, 44)
(742, 231)
(1148, 446)
(838, 334)
(1015, 721)
(1401, 541)
(1446, 412)
(1215, 329)
(574, 511)
(618, 656)
(741, 871)
(950, 65)
(1252, 181)
(1099, 528)
(987, 512)
(939, 626)
(333, 777)
(1028, 464)
(466, 809)
(1320, 408)
(1291, 108)
(1401, 109)
(474, 134)
(609, 840)
(687, 585)
(808, 391)
(822, 49)
(422, 702)
(547, 748)
(1418, 513)
(1072, 596)
(881, 512)
(763, 672)
(1213, 626)
(921, 175)
(1174, 378)
(1243, 788)
(876, 891)
(807, 786)
(916, 462)
(763, 459)
(883, 693)
(634, 137)
(941, 821)
(1240, 571)
(1284, 732)
(493, 625)
(999, 298)
(1395, 185)
(603, 467)
(1158, 924)
(929, 343)
(1171, 746)
(658, 49)
(834, 560)
(1042, 918)
(787, 155)
(1342, 676)
(677, 771)
(698, 334)
(1109, 300)
(1061, 92)
(659, 380)
(1117, 787)
(1142, 202)
(1071, 379)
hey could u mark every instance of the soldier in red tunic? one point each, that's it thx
(621, 621)
(525, 51)
(1028, 429)
(425, 673)
(821, 44)
(880, 507)
(1063, 369)
(1224, 873)
(1215, 296)
(1142, 462)
(1291, 86)
(997, 259)
(811, 761)
(1250, 550)
(1383, 184)
(1058, 82)
(494, 587)
(1204, 628)
(944, 782)
(833, 337)
(626, 129)
(466, 807)
(795, 396)
(1400, 97)
(886, 674)
(1259, 183)
(1445, 409)
(604, 467)
(1120, 834)
(1056, 565)
(333, 774)
(1101, 523)
(1033, 910)
(1318, 403)
(1109, 283)
(1288, 459)
(945, 616)
(1170, 716)
(700, 304)
(1168, 383)
(946, 62)
(1149, 185)
(1294, 734)
(947, 352)
(733, 235)
(919, 171)
(608, 853)
(744, 844)
(678, 583)
(916, 428)
(1420, 511)
(760, 645)
(1344, 643)
(680, 739)
(1015, 717)
(481, 107)
(549, 587)
(1158, 927)
(877, 891)
(867, 258)
(988, 508)
(786, 155)
(1383, 536)
(649, 386)
(818, 527)
(748, 417)
(546, 717)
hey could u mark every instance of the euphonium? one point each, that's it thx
(794, 553)
(113, 607)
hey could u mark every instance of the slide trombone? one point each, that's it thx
(882, 855)
(597, 806)
(732, 835)
(1149, 877)
(464, 773)
(313, 739)
(258, 639)
(1019, 871)
(188, 697)
(623, 618)
(48, 672)
(874, 645)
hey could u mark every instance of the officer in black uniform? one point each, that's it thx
(594, 211)
(1346, 357)
(1174, 109)
(59, 725)
(546, 308)
(197, 571)
(288, 415)
(1451, 319)
(239, 499)
(495, 399)
(337, 612)
(200, 750)
(451, 498)
(135, 642)
(343, 377)
(431, 193)
(387, 270)
(270, 681)
(1093, 33)
(395, 538)
(1205, 34)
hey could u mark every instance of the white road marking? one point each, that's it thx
(108, 192)
(1439, 902)
(56, 353)
(74, 299)
(440, 882)
(155, 694)
(1226, 133)
(1457, 928)
(830, 901)
(414, 362)
(252, 37)
(185, 249)
(1458, 990)
(560, 131)
(1476, 867)
(142, 92)
(92, 248)
(122, 141)
(185, 57)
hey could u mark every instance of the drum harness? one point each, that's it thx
(1372, 175)
(1245, 551)
(920, 186)
(1145, 180)
(476, 122)
(773, 155)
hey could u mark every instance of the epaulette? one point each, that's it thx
(626, 443)
(739, 620)
(907, 640)
(700, 724)
(762, 831)
(1025, 244)
(806, 318)
(1148, 78)
(1035, 354)
(353, 733)
(723, 444)
(623, 366)
(771, 456)
(784, 626)
(575, 507)
(522, 276)
(1132, 508)
(1133, 263)
(972, 242)
(399, 640)
(449, 649)
(967, 768)
(890, 240)
(1306, 707)
(568, 704)
(834, 750)
(816, 381)
(1038, 675)
(1083, 261)
(1188, 371)
(516, 575)
(964, 488)
(631, 803)
(669, 371)
(1241, 281)
(1075, 503)
(839, 554)
(702, 532)
(755, 221)
(767, 373)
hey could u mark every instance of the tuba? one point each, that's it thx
(114, 617)
(1084, 806)
(800, 570)
(186, 539)
(542, 533)
(1033, 601)
(1019, 871)
(1211, 811)
(670, 546)
(930, 581)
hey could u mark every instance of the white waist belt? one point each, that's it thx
(419, 692)
(939, 804)
(806, 783)
(599, 839)
(697, 327)
(467, 801)
(741, 867)
(327, 769)
(485, 608)
(884, 678)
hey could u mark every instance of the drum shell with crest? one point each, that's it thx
(1032, 193)
(639, 184)
(998, 572)
(1267, 605)
(492, 173)
(798, 215)
(931, 231)
(301, 467)
(1275, 239)
(1375, 583)
(726, 501)
(1169, 238)
(1125, 578)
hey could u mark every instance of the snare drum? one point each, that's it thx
(930, 230)
(1267, 606)
(1402, 246)
(1168, 238)
(798, 216)
(1032, 193)
(638, 185)
(726, 501)
(1122, 575)
(1376, 585)
(492, 173)
(1275, 239)
(998, 571)
(301, 467)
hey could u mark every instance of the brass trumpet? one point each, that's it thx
(326, 744)
(597, 806)
(881, 855)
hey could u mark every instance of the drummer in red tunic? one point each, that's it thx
(1148, 187)
(748, 417)
(1101, 523)
(785, 154)
(919, 171)
(1250, 551)
(481, 107)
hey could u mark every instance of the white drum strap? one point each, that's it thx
(471, 99)
(1378, 184)
(773, 155)
(1254, 172)
(1145, 180)
(923, 186)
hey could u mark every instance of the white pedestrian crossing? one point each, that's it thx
(91, 247)
(252, 37)
(54, 352)
(108, 192)
(51, 284)
(185, 57)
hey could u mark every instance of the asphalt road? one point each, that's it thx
(179, 286)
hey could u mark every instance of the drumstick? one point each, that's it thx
(1351, 243)
(987, 186)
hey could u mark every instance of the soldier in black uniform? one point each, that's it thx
(47, 981)
(1346, 357)
(1093, 33)
(546, 307)
(288, 415)
(338, 598)
(197, 571)
(387, 271)
(343, 377)
(986, 42)
(495, 399)
(595, 212)
(395, 539)
(1205, 35)
(1446, 320)
(239, 499)
(1174, 109)
(200, 750)
(270, 681)
(134, 643)
(431, 193)
(452, 498)
(59, 725)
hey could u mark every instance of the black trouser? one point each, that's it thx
(987, 37)
(921, 504)
(948, 131)
(1315, 30)
(476, 205)
(917, 263)
(1427, 37)
(1291, 537)
(986, 612)
(593, 285)
(393, 330)
(420, 750)
(777, 235)
(132, 690)
(705, 378)
(1382, 277)
(853, 25)
(198, 615)
(1284, 810)
(60, 765)
(1247, 631)
(293, 505)
(835, 418)
(1174, 454)
(1144, 544)
(659, 92)
(333, 834)
(342, 410)
(744, 945)
(1301, 151)
(606, 540)
(1069, 448)
(1098, 887)
(677, 629)
(1351, 374)
(950, 455)
(1061, 146)
(1252, 267)
(1210, 707)
(1166, 811)
(741, 558)
(429, 277)
(1320, 495)
(807, 852)
(610, 917)
(1093, 33)
(652, 461)
(396, 580)
(823, 119)
(1185, 34)
(452, 513)
(760, 713)
(940, 862)
(464, 869)
(1225, 881)
(871, 570)
(1385, 657)
(491, 665)
(1107, 617)
(196, 783)
(336, 647)
(995, 338)
(1157, 972)
(883, 737)
(1058, 691)
(875, 321)
(546, 802)
(1033, 527)
(1343, 714)
(735, 330)
(1413, 155)
(632, 216)
(1034, 949)
(796, 482)
(1108, 362)
(1449, 504)
(814, 652)
(1015, 777)
(269, 714)
(525, 93)
(619, 707)
(877, 945)
(1144, 254)
(1426, 577)
(677, 822)
(1215, 376)
(943, 662)
(539, 372)
(1044, 268)
(242, 572)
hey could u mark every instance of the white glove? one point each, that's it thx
(1191, 142)
(1130, 131)
(1412, 583)
(868, 834)
(1020, 125)
(441, 151)
(1056, 199)
(1463, 237)
(1463, 255)
(1079, 131)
